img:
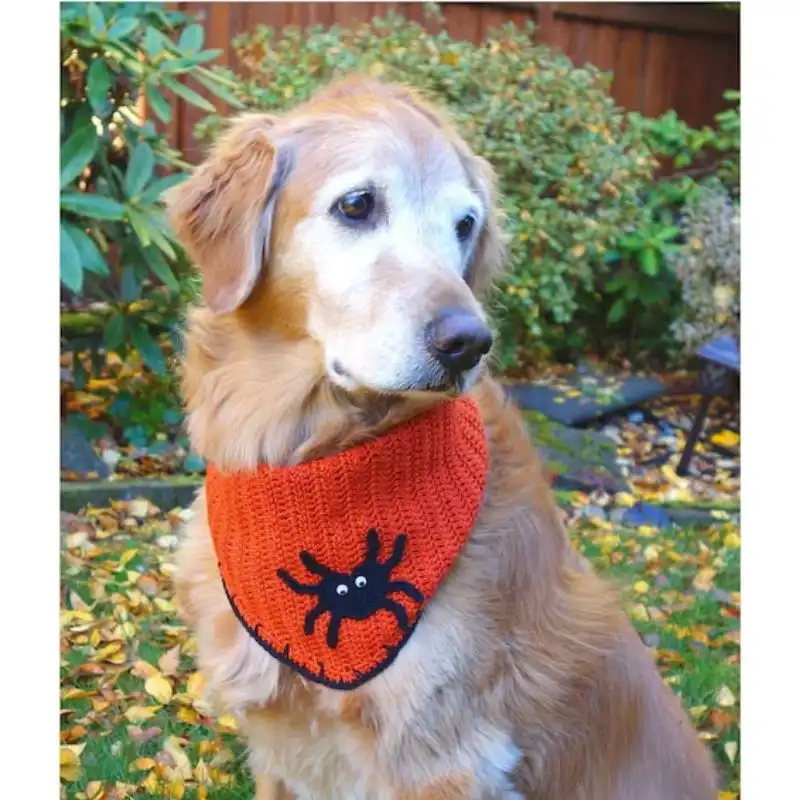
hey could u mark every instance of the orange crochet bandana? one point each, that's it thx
(329, 564)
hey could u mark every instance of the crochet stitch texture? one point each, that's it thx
(328, 564)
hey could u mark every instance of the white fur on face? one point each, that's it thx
(378, 285)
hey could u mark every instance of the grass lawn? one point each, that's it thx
(133, 723)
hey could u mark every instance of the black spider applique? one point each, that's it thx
(358, 594)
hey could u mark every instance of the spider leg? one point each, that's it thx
(312, 565)
(311, 619)
(333, 631)
(397, 552)
(398, 611)
(406, 588)
(373, 546)
(295, 585)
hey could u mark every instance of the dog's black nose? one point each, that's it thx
(457, 339)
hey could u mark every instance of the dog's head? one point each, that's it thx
(360, 221)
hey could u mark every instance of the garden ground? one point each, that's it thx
(133, 722)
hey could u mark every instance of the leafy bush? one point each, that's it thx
(716, 148)
(117, 250)
(572, 173)
(709, 267)
(645, 288)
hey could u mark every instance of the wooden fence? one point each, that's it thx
(664, 56)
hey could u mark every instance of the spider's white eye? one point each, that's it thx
(341, 589)
(361, 581)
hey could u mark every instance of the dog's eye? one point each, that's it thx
(355, 206)
(464, 227)
(360, 582)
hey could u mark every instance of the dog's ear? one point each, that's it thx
(223, 213)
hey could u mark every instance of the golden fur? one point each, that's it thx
(523, 678)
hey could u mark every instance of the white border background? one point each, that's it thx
(29, 525)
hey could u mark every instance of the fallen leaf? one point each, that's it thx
(141, 735)
(169, 662)
(731, 749)
(726, 438)
(624, 500)
(70, 761)
(732, 541)
(194, 686)
(143, 669)
(188, 715)
(704, 580)
(159, 687)
(127, 556)
(227, 724)
(140, 508)
(175, 749)
(725, 697)
(140, 713)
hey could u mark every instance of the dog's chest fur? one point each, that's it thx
(415, 723)
(367, 742)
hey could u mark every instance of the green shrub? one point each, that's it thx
(572, 173)
(119, 260)
(709, 267)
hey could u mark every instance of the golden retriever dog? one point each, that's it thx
(331, 240)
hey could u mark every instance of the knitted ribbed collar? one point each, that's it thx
(329, 564)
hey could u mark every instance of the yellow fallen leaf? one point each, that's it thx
(731, 748)
(70, 761)
(188, 715)
(697, 712)
(104, 652)
(704, 580)
(194, 686)
(669, 473)
(647, 530)
(175, 790)
(679, 495)
(75, 615)
(726, 438)
(725, 697)
(652, 552)
(150, 784)
(143, 763)
(732, 541)
(624, 500)
(75, 694)
(175, 749)
(94, 790)
(159, 687)
(140, 713)
(227, 724)
(127, 556)
(640, 587)
(639, 613)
